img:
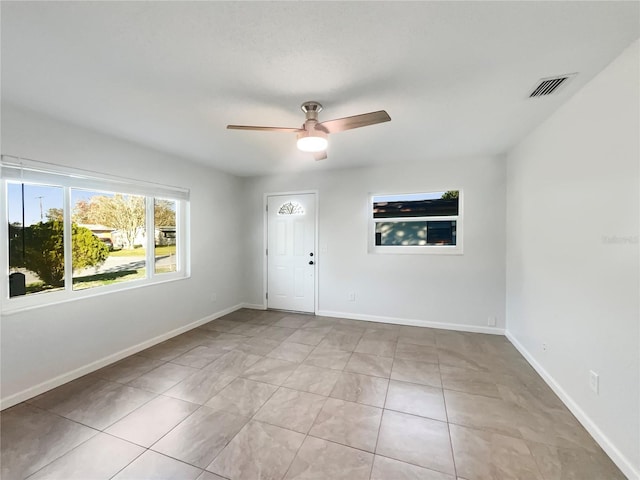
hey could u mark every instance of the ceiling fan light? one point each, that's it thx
(312, 141)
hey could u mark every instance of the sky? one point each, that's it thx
(51, 197)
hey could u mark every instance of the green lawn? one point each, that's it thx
(140, 252)
(90, 281)
(100, 279)
(36, 287)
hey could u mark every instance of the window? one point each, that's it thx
(416, 223)
(71, 233)
(108, 238)
(36, 239)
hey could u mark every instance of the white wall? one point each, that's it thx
(450, 290)
(572, 254)
(45, 346)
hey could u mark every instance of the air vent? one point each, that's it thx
(547, 86)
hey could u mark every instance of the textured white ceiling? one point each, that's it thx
(454, 76)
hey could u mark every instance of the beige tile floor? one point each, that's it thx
(271, 395)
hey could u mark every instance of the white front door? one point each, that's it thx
(291, 253)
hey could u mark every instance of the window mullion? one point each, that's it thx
(150, 234)
(182, 240)
(179, 227)
(4, 233)
(67, 236)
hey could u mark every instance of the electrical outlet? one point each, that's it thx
(491, 321)
(545, 347)
(594, 381)
(351, 297)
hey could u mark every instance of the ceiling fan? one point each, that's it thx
(312, 136)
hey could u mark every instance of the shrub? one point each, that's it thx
(43, 252)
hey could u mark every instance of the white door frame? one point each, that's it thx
(265, 243)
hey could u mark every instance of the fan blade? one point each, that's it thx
(357, 121)
(263, 129)
(320, 155)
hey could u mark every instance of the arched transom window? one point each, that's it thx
(291, 208)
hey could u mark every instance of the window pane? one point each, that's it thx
(401, 233)
(164, 217)
(436, 204)
(36, 238)
(441, 233)
(109, 238)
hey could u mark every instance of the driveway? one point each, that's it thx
(120, 264)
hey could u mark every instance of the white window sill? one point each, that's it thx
(416, 250)
(24, 303)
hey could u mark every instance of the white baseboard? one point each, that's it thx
(412, 322)
(616, 456)
(103, 362)
(254, 306)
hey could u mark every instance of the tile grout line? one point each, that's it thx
(251, 418)
(446, 411)
(133, 460)
(430, 469)
(110, 424)
(304, 439)
(384, 404)
(320, 410)
(71, 449)
(188, 416)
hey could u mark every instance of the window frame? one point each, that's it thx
(16, 170)
(456, 249)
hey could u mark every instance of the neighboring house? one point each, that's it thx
(120, 240)
(165, 236)
(101, 231)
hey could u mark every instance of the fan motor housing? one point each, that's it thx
(311, 109)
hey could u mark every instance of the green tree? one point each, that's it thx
(55, 214)
(87, 249)
(125, 213)
(83, 213)
(164, 214)
(43, 251)
(450, 195)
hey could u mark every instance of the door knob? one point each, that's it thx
(311, 254)
(310, 262)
